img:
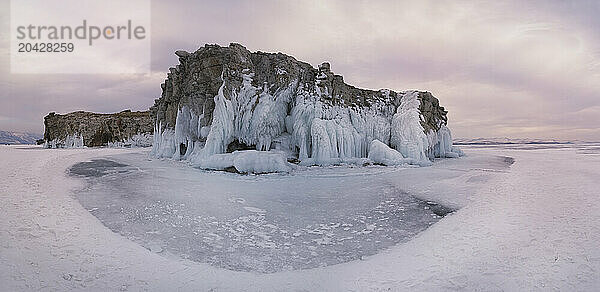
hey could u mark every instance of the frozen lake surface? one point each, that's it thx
(313, 217)
(526, 226)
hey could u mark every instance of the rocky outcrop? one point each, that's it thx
(221, 99)
(78, 129)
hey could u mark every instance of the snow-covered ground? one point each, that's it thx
(532, 226)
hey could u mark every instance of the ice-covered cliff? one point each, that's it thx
(78, 129)
(222, 99)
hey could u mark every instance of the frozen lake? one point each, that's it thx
(529, 225)
(312, 218)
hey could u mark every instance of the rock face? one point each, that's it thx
(78, 129)
(221, 99)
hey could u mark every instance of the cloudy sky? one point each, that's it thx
(511, 69)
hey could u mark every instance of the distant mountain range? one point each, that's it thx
(504, 141)
(18, 137)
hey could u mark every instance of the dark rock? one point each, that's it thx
(201, 73)
(182, 54)
(97, 129)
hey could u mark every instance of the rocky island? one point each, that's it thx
(229, 108)
(78, 129)
(221, 99)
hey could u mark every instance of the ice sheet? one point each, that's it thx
(257, 223)
(531, 226)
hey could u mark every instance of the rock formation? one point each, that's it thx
(222, 99)
(78, 129)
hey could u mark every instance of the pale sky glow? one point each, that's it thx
(515, 69)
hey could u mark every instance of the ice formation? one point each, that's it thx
(70, 141)
(138, 140)
(271, 101)
(249, 161)
(382, 154)
(77, 141)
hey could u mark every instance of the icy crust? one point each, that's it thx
(76, 141)
(249, 161)
(296, 121)
(138, 140)
(380, 153)
(252, 116)
(408, 135)
(70, 141)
